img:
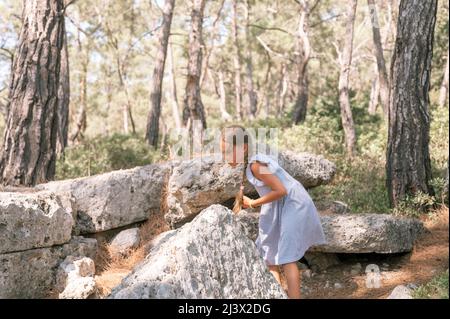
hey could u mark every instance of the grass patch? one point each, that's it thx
(437, 288)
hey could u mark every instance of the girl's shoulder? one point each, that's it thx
(267, 160)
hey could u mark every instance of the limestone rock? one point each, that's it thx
(32, 273)
(321, 261)
(75, 278)
(125, 241)
(369, 233)
(401, 292)
(32, 220)
(198, 183)
(114, 199)
(210, 257)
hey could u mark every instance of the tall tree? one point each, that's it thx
(29, 148)
(444, 86)
(252, 97)
(345, 61)
(63, 99)
(158, 74)
(378, 52)
(303, 48)
(236, 62)
(194, 111)
(408, 160)
(173, 88)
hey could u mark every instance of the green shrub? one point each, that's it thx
(104, 154)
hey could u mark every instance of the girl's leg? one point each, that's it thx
(293, 280)
(275, 271)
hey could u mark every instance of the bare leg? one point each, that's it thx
(275, 271)
(293, 280)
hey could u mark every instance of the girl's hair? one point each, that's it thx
(229, 135)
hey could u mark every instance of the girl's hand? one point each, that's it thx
(246, 202)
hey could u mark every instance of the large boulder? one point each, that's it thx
(195, 184)
(32, 220)
(114, 199)
(210, 257)
(32, 273)
(355, 233)
(369, 233)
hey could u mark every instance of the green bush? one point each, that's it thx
(104, 154)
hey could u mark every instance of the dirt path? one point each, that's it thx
(429, 258)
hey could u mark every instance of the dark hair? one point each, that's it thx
(229, 134)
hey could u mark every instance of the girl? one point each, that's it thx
(289, 223)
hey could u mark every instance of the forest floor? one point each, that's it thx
(429, 258)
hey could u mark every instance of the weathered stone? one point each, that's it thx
(32, 220)
(210, 257)
(250, 222)
(195, 184)
(75, 278)
(401, 292)
(309, 169)
(32, 273)
(125, 241)
(369, 233)
(114, 199)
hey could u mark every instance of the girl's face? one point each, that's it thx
(233, 154)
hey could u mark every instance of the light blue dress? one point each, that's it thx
(288, 226)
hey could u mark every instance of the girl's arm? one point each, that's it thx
(261, 172)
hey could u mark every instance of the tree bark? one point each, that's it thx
(408, 161)
(193, 112)
(374, 93)
(29, 148)
(444, 87)
(173, 89)
(237, 63)
(345, 58)
(158, 75)
(378, 52)
(63, 100)
(252, 97)
(281, 90)
(304, 52)
(223, 100)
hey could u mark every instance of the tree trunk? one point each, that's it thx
(237, 63)
(444, 87)
(173, 89)
(193, 112)
(304, 52)
(381, 64)
(345, 62)
(281, 90)
(29, 148)
(408, 161)
(158, 75)
(252, 97)
(374, 93)
(223, 101)
(80, 122)
(63, 100)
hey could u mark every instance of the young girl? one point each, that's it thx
(289, 223)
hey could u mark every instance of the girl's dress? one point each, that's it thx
(288, 226)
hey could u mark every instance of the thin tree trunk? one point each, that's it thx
(374, 92)
(193, 113)
(173, 89)
(158, 75)
(223, 100)
(304, 52)
(29, 145)
(381, 64)
(444, 87)
(344, 99)
(237, 63)
(80, 122)
(252, 97)
(63, 100)
(281, 90)
(408, 167)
